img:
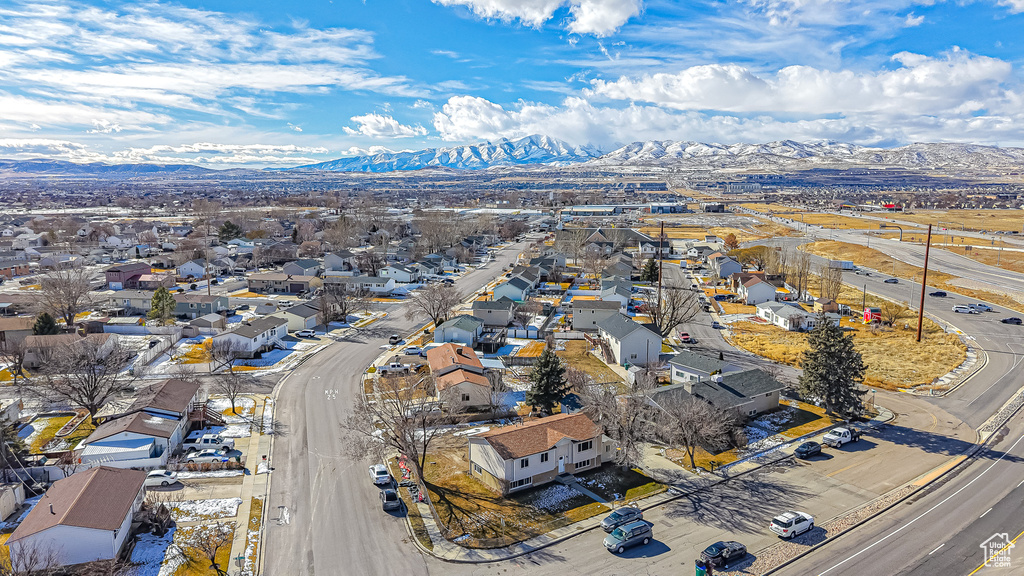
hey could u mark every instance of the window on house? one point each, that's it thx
(751, 412)
(520, 483)
(584, 463)
(476, 468)
(465, 397)
(584, 446)
(632, 356)
(523, 463)
(544, 457)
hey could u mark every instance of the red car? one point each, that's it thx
(685, 338)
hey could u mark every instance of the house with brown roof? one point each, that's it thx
(15, 328)
(39, 349)
(523, 455)
(82, 518)
(459, 376)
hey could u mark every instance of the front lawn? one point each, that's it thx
(577, 354)
(612, 483)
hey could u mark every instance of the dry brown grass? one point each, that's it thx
(971, 219)
(737, 308)
(835, 221)
(182, 535)
(577, 354)
(531, 350)
(766, 208)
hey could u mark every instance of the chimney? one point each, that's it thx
(51, 510)
(459, 352)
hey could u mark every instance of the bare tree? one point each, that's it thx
(342, 233)
(339, 301)
(499, 391)
(678, 305)
(628, 419)
(594, 261)
(26, 558)
(831, 281)
(86, 372)
(203, 544)
(184, 372)
(524, 312)
(692, 423)
(65, 293)
(370, 262)
(12, 353)
(572, 242)
(232, 386)
(892, 312)
(223, 354)
(800, 273)
(436, 302)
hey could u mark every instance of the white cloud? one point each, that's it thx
(294, 128)
(913, 20)
(202, 153)
(104, 127)
(1015, 6)
(597, 17)
(383, 126)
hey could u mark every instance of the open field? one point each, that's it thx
(970, 219)
(981, 250)
(771, 208)
(696, 231)
(834, 220)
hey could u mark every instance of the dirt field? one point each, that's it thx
(982, 250)
(971, 219)
(771, 208)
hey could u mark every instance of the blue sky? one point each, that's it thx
(235, 83)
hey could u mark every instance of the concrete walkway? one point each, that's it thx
(684, 485)
(253, 485)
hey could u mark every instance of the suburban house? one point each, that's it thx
(152, 428)
(195, 269)
(210, 323)
(737, 280)
(464, 329)
(39, 348)
(372, 284)
(126, 275)
(494, 312)
(519, 456)
(15, 329)
(301, 317)
(689, 366)
(616, 290)
(154, 281)
(132, 301)
(340, 261)
(587, 313)
(253, 337)
(459, 376)
(304, 267)
(280, 283)
(629, 341)
(9, 268)
(749, 392)
(82, 518)
(515, 289)
(401, 273)
(826, 305)
(790, 316)
(723, 266)
(755, 291)
(196, 305)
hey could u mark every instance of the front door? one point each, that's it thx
(561, 465)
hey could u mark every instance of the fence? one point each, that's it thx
(569, 335)
(528, 333)
(517, 360)
(150, 354)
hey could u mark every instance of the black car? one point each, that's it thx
(807, 449)
(938, 294)
(623, 515)
(892, 281)
(720, 554)
(1011, 320)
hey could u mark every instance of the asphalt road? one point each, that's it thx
(324, 516)
(940, 532)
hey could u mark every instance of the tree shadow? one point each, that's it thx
(934, 443)
(655, 548)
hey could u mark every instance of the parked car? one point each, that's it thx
(393, 368)
(715, 325)
(161, 478)
(684, 337)
(839, 436)
(414, 351)
(203, 439)
(980, 307)
(807, 449)
(628, 535)
(395, 339)
(791, 524)
(961, 309)
(937, 294)
(720, 554)
(892, 280)
(621, 516)
(380, 475)
(306, 333)
(208, 456)
(1011, 320)
(389, 499)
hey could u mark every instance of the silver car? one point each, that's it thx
(380, 475)
(161, 478)
(623, 515)
(389, 499)
(631, 534)
(208, 456)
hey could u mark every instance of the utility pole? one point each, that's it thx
(924, 282)
(661, 263)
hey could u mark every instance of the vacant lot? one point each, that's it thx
(771, 208)
(577, 354)
(969, 219)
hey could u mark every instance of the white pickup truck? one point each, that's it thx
(393, 368)
(201, 440)
(839, 436)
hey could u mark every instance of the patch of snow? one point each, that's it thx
(473, 431)
(553, 496)
(263, 468)
(232, 430)
(268, 416)
(211, 509)
(150, 553)
(186, 475)
(30, 503)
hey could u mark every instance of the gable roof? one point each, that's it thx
(254, 328)
(595, 305)
(620, 326)
(517, 283)
(464, 322)
(142, 423)
(171, 395)
(306, 263)
(519, 441)
(450, 354)
(97, 498)
(735, 388)
(16, 323)
(503, 303)
(699, 362)
(302, 311)
(456, 377)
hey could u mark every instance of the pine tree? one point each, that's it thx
(229, 231)
(45, 325)
(162, 306)
(832, 369)
(650, 271)
(548, 379)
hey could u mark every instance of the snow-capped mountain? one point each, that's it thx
(525, 151)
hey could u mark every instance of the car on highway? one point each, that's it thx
(379, 474)
(627, 535)
(160, 478)
(791, 524)
(937, 294)
(621, 516)
(862, 272)
(306, 333)
(1011, 320)
(961, 309)
(892, 280)
(720, 554)
(208, 456)
(389, 499)
(980, 307)
(807, 449)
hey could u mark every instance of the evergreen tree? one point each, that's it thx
(45, 325)
(548, 379)
(832, 369)
(229, 231)
(650, 271)
(162, 306)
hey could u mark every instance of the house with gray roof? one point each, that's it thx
(303, 267)
(250, 338)
(495, 312)
(464, 329)
(629, 342)
(515, 289)
(749, 392)
(689, 366)
(587, 313)
(300, 317)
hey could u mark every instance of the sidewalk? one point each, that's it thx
(688, 484)
(253, 484)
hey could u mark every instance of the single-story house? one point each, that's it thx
(255, 336)
(519, 456)
(210, 322)
(280, 283)
(401, 273)
(303, 267)
(749, 392)
(126, 275)
(39, 348)
(82, 518)
(132, 301)
(196, 305)
(372, 284)
(587, 313)
(459, 376)
(755, 291)
(15, 328)
(515, 289)
(826, 305)
(629, 341)
(197, 269)
(464, 329)
(154, 281)
(340, 261)
(300, 317)
(790, 316)
(9, 268)
(691, 366)
(495, 312)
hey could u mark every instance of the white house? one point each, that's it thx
(459, 376)
(464, 329)
(689, 366)
(494, 312)
(340, 261)
(193, 268)
(515, 289)
(723, 266)
(372, 284)
(303, 267)
(755, 291)
(587, 313)
(301, 317)
(254, 336)
(630, 342)
(82, 518)
(401, 273)
(790, 316)
(523, 455)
